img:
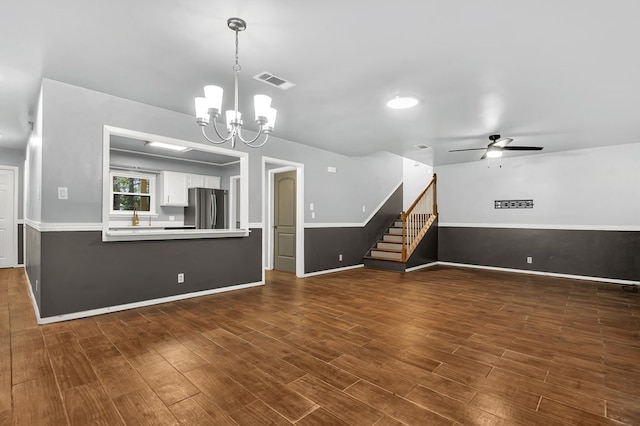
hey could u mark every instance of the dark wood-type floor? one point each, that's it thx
(364, 347)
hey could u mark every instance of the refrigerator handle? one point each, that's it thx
(214, 210)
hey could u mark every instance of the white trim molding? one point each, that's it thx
(14, 203)
(267, 219)
(334, 225)
(426, 265)
(330, 271)
(540, 226)
(542, 273)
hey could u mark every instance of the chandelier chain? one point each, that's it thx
(236, 67)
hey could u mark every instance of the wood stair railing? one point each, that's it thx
(418, 218)
(406, 232)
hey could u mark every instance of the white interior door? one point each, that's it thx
(8, 231)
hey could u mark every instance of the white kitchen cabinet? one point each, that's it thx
(174, 189)
(203, 181)
(212, 182)
(195, 181)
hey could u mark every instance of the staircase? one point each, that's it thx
(402, 244)
(389, 246)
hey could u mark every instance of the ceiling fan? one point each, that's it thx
(497, 145)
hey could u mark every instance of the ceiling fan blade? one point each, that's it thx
(484, 156)
(501, 143)
(522, 148)
(467, 149)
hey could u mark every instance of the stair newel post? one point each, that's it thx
(403, 217)
(435, 194)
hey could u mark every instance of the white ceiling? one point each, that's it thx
(561, 74)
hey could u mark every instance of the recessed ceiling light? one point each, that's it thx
(168, 146)
(402, 102)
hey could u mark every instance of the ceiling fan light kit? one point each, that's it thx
(494, 153)
(209, 107)
(497, 146)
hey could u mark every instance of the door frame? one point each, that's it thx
(268, 199)
(14, 249)
(234, 187)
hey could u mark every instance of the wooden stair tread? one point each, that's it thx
(387, 250)
(384, 259)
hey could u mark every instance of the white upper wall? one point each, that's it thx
(415, 177)
(33, 169)
(71, 152)
(596, 188)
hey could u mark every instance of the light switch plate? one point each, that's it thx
(63, 193)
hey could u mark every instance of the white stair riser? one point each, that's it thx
(395, 231)
(398, 223)
(389, 246)
(392, 239)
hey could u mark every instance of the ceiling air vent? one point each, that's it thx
(421, 146)
(273, 80)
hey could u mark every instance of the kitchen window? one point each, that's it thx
(132, 191)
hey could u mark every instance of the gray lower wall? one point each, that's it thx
(427, 250)
(20, 244)
(604, 254)
(322, 246)
(33, 259)
(79, 272)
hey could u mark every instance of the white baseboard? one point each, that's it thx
(426, 265)
(330, 271)
(108, 309)
(542, 273)
(36, 310)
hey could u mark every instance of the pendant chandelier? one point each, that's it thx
(209, 107)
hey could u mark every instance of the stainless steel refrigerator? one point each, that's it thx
(207, 208)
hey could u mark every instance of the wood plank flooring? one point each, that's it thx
(442, 346)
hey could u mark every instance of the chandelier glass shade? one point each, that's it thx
(209, 107)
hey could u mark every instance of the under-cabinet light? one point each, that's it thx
(168, 146)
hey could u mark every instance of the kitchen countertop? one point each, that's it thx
(141, 233)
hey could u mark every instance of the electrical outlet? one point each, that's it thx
(37, 286)
(313, 215)
(340, 257)
(529, 259)
(180, 278)
(364, 209)
(311, 206)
